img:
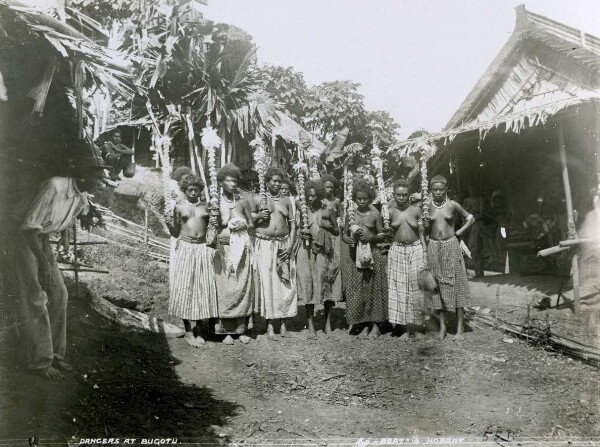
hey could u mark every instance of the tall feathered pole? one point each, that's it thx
(211, 141)
(378, 164)
(261, 167)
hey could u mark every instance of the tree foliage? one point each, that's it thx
(287, 87)
(333, 106)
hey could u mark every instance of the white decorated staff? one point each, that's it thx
(261, 168)
(378, 164)
(211, 141)
(301, 170)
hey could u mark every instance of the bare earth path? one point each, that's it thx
(130, 384)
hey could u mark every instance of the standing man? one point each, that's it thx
(275, 235)
(193, 292)
(41, 292)
(445, 257)
(315, 254)
(117, 155)
(233, 259)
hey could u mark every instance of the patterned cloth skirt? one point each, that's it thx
(367, 290)
(448, 268)
(405, 299)
(193, 289)
(276, 287)
(235, 290)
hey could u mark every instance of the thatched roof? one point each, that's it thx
(288, 129)
(565, 56)
(543, 68)
(103, 66)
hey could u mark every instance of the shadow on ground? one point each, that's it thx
(124, 385)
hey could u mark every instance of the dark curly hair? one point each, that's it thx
(318, 186)
(229, 170)
(401, 182)
(329, 178)
(181, 172)
(190, 180)
(273, 171)
(438, 179)
(362, 185)
(292, 186)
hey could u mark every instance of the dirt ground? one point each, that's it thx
(329, 391)
(294, 391)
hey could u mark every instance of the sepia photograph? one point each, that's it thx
(299, 222)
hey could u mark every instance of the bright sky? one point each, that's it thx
(416, 59)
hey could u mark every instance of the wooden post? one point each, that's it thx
(572, 233)
(146, 235)
(75, 260)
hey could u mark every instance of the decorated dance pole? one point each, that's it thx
(424, 185)
(349, 201)
(261, 169)
(378, 163)
(211, 141)
(313, 155)
(301, 170)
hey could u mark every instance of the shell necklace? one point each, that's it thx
(442, 205)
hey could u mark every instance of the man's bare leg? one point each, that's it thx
(270, 331)
(460, 324)
(442, 321)
(328, 311)
(310, 313)
(283, 330)
(375, 332)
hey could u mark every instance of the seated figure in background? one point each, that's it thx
(119, 157)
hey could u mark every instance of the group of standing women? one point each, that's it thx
(274, 254)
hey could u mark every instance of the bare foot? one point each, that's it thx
(404, 337)
(245, 339)
(419, 336)
(195, 342)
(442, 334)
(460, 336)
(283, 330)
(62, 365)
(364, 333)
(312, 335)
(50, 373)
(374, 332)
(271, 333)
(228, 340)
